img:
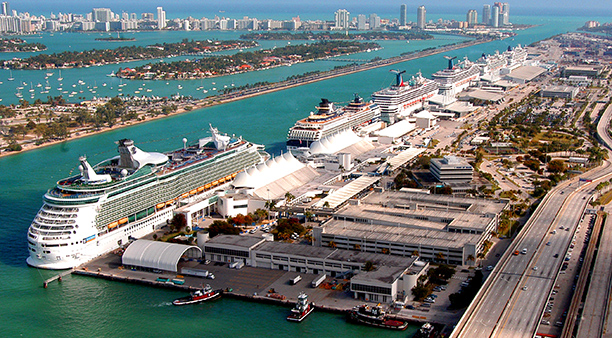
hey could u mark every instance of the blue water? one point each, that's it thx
(83, 306)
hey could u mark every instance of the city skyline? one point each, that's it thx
(175, 8)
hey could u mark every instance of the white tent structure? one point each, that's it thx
(158, 255)
(334, 143)
(267, 172)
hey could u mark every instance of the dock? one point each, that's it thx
(57, 277)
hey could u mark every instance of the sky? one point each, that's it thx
(295, 7)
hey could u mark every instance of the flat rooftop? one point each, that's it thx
(244, 241)
(527, 73)
(395, 234)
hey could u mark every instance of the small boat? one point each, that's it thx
(10, 78)
(112, 74)
(375, 316)
(204, 294)
(302, 309)
(426, 331)
(60, 78)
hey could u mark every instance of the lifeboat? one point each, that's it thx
(215, 182)
(207, 186)
(193, 192)
(228, 177)
(124, 220)
(200, 189)
(169, 202)
(234, 175)
(222, 180)
(185, 195)
(160, 205)
(113, 225)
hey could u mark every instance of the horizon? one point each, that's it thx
(310, 10)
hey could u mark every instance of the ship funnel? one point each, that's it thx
(398, 77)
(184, 143)
(450, 61)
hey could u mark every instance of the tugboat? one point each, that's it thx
(204, 294)
(375, 316)
(302, 308)
(426, 331)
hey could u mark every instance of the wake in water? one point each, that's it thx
(163, 304)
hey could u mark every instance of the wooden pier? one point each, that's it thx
(57, 277)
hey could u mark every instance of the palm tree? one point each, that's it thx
(470, 257)
(415, 253)
(332, 244)
(440, 256)
(289, 197)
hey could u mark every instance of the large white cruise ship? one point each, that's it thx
(402, 98)
(490, 65)
(455, 78)
(329, 120)
(129, 196)
(516, 56)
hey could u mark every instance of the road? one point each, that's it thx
(512, 300)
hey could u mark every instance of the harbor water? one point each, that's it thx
(81, 306)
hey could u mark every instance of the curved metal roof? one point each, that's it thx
(158, 255)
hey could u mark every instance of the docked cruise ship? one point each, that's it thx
(455, 78)
(516, 56)
(402, 98)
(129, 196)
(490, 65)
(329, 120)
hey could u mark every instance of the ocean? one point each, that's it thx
(82, 306)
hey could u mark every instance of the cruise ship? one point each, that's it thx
(455, 78)
(129, 196)
(516, 56)
(490, 65)
(402, 98)
(329, 120)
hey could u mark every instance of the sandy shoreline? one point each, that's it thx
(217, 100)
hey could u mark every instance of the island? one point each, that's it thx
(337, 36)
(114, 39)
(20, 45)
(244, 61)
(98, 57)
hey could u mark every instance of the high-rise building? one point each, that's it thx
(495, 16)
(342, 19)
(472, 17)
(374, 21)
(5, 9)
(361, 22)
(101, 15)
(486, 14)
(421, 17)
(161, 18)
(402, 20)
(506, 13)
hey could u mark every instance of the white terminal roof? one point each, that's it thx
(345, 193)
(424, 114)
(158, 255)
(267, 172)
(401, 158)
(334, 143)
(398, 129)
(527, 73)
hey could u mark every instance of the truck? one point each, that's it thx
(318, 280)
(239, 264)
(296, 279)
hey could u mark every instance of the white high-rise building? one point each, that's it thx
(342, 17)
(495, 16)
(101, 15)
(472, 17)
(505, 11)
(402, 19)
(161, 18)
(374, 21)
(5, 9)
(486, 14)
(361, 22)
(421, 12)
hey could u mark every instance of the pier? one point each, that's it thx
(57, 277)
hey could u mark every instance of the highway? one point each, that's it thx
(512, 300)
